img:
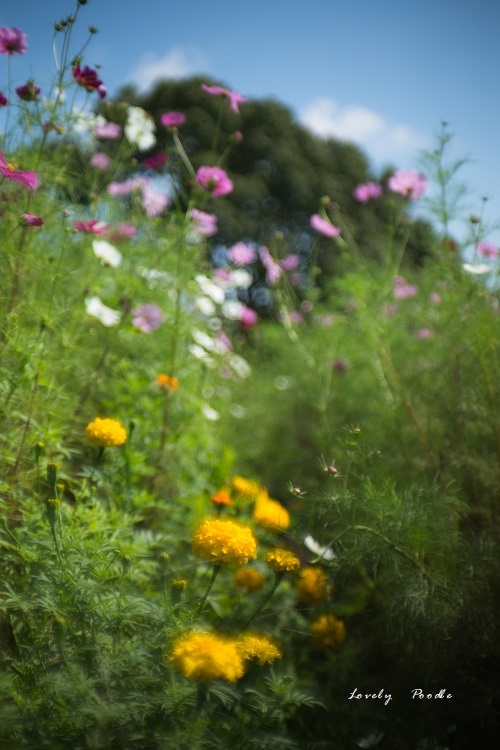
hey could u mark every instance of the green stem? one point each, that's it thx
(279, 577)
(399, 550)
(215, 573)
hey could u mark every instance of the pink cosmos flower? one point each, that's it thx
(126, 187)
(296, 317)
(290, 263)
(3, 100)
(242, 254)
(8, 170)
(100, 161)
(28, 92)
(367, 191)
(91, 226)
(30, 220)
(155, 161)
(403, 290)
(424, 333)
(248, 318)
(205, 224)
(323, 226)
(235, 99)
(12, 40)
(237, 136)
(109, 130)
(408, 183)
(215, 180)
(273, 270)
(147, 317)
(88, 79)
(122, 232)
(435, 298)
(172, 119)
(488, 249)
(153, 202)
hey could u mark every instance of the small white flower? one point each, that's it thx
(478, 269)
(205, 306)
(323, 552)
(140, 128)
(199, 352)
(240, 366)
(204, 340)
(232, 309)
(210, 413)
(99, 310)
(210, 288)
(107, 253)
(241, 278)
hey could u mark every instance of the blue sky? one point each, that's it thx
(383, 75)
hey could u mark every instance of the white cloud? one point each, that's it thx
(177, 63)
(384, 141)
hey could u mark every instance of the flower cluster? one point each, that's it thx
(166, 383)
(282, 561)
(259, 647)
(249, 578)
(106, 432)
(270, 513)
(328, 631)
(224, 542)
(312, 584)
(248, 489)
(207, 657)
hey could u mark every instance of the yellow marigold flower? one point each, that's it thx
(259, 647)
(270, 513)
(328, 631)
(206, 657)
(224, 542)
(179, 583)
(249, 579)
(106, 432)
(312, 584)
(167, 383)
(222, 497)
(281, 560)
(246, 488)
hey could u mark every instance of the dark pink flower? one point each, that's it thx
(88, 79)
(155, 161)
(30, 220)
(3, 100)
(408, 183)
(147, 317)
(109, 130)
(172, 119)
(12, 40)
(242, 254)
(215, 180)
(91, 226)
(248, 318)
(488, 249)
(367, 191)
(29, 92)
(235, 99)
(403, 290)
(323, 226)
(205, 224)
(8, 170)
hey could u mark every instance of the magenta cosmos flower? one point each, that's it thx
(12, 40)
(8, 170)
(203, 223)
(488, 249)
(172, 119)
(108, 131)
(91, 226)
(156, 160)
(215, 180)
(30, 220)
(409, 183)
(3, 100)
(28, 92)
(88, 79)
(147, 317)
(323, 226)
(367, 191)
(235, 99)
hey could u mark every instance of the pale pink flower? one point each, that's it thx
(323, 226)
(108, 131)
(435, 298)
(235, 99)
(408, 183)
(147, 317)
(172, 119)
(403, 290)
(215, 180)
(367, 191)
(122, 232)
(30, 220)
(154, 203)
(488, 249)
(91, 226)
(242, 254)
(12, 40)
(126, 187)
(203, 223)
(424, 333)
(100, 161)
(296, 317)
(273, 270)
(290, 263)
(8, 170)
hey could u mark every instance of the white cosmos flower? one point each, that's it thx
(210, 413)
(99, 310)
(205, 306)
(232, 309)
(140, 128)
(241, 278)
(324, 552)
(204, 340)
(239, 365)
(107, 253)
(478, 269)
(199, 352)
(210, 288)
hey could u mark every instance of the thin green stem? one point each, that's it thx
(215, 573)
